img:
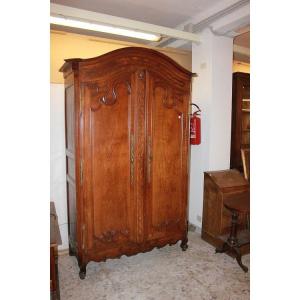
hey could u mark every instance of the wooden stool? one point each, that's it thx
(237, 204)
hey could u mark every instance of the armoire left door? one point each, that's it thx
(108, 157)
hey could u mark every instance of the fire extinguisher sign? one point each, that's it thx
(195, 127)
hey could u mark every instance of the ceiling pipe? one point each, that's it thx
(196, 28)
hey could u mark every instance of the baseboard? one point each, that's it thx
(63, 252)
(194, 228)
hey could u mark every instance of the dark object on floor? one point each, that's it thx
(238, 204)
(192, 227)
(218, 187)
(127, 147)
(55, 240)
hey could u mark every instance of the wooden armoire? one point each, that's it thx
(127, 152)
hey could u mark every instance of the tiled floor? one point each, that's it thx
(162, 274)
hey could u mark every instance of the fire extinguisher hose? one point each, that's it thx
(197, 112)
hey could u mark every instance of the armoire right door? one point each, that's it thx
(167, 159)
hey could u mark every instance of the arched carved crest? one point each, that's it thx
(109, 96)
(107, 93)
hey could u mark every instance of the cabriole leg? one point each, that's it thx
(184, 244)
(239, 260)
(82, 272)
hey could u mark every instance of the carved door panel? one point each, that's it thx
(167, 136)
(108, 154)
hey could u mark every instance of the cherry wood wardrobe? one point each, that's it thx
(127, 152)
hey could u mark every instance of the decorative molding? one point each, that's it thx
(166, 97)
(106, 99)
(170, 96)
(107, 94)
(178, 97)
(166, 224)
(111, 235)
(141, 75)
(140, 149)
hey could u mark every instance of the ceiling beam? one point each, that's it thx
(241, 50)
(222, 20)
(89, 16)
(231, 23)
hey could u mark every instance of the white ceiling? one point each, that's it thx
(168, 13)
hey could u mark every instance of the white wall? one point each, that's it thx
(58, 159)
(212, 91)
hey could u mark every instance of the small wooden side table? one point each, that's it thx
(237, 204)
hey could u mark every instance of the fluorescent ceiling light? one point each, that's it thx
(63, 21)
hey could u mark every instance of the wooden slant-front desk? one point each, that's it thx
(218, 186)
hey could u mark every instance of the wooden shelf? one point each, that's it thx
(240, 124)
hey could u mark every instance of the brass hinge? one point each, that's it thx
(81, 171)
(83, 235)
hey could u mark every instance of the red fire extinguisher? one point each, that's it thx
(195, 127)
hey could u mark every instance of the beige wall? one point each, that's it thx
(240, 67)
(69, 45)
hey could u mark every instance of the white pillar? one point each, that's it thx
(212, 92)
